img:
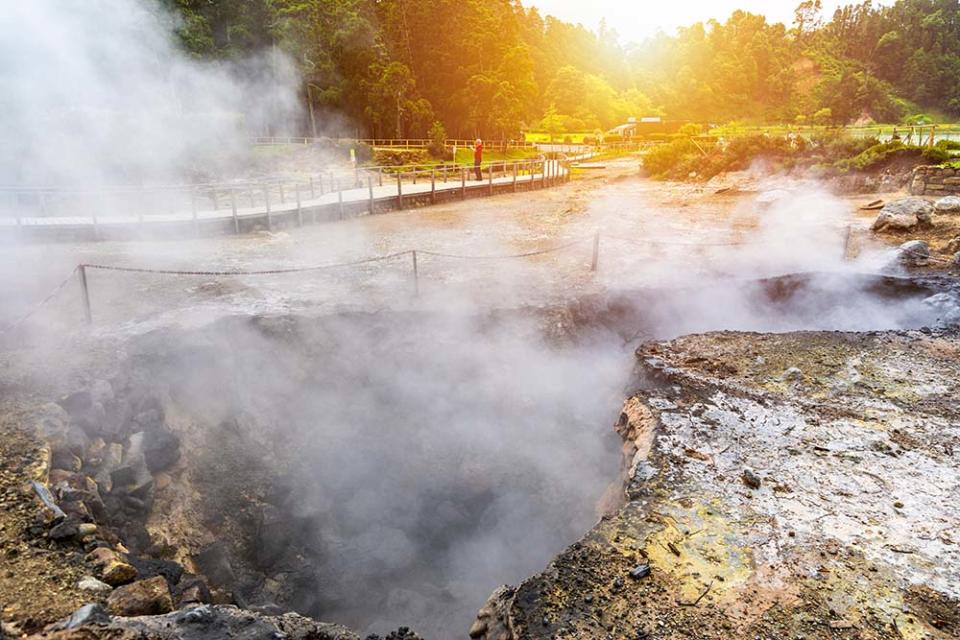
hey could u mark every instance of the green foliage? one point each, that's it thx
(948, 145)
(690, 129)
(438, 138)
(494, 68)
(668, 160)
(400, 157)
(936, 155)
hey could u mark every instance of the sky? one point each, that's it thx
(636, 19)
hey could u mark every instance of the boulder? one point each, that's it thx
(903, 215)
(91, 584)
(161, 448)
(950, 204)
(915, 253)
(142, 598)
(116, 573)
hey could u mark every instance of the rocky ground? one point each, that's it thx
(779, 486)
(797, 485)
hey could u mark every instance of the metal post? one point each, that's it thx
(543, 174)
(296, 187)
(514, 177)
(416, 274)
(313, 193)
(490, 180)
(233, 206)
(596, 251)
(85, 290)
(463, 184)
(433, 187)
(370, 191)
(400, 195)
(339, 200)
(266, 194)
(380, 175)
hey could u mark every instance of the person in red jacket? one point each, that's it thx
(478, 158)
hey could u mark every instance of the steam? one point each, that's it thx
(98, 93)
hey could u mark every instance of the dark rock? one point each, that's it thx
(161, 448)
(141, 598)
(751, 479)
(151, 567)
(124, 476)
(192, 590)
(76, 403)
(66, 530)
(640, 571)
(84, 616)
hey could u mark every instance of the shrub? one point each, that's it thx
(936, 155)
(948, 145)
(690, 129)
(823, 116)
(438, 138)
(400, 157)
(665, 160)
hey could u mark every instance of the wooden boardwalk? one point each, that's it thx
(294, 209)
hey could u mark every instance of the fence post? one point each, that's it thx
(233, 206)
(543, 174)
(266, 195)
(463, 184)
(282, 198)
(313, 194)
(416, 274)
(490, 180)
(596, 251)
(296, 187)
(514, 177)
(400, 198)
(433, 187)
(85, 290)
(370, 191)
(380, 175)
(339, 199)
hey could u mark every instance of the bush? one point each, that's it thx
(936, 155)
(823, 116)
(438, 138)
(666, 160)
(690, 129)
(948, 145)
(400, 157)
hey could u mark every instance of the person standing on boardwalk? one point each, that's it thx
(478, 158)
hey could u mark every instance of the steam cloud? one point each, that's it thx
(98, 93)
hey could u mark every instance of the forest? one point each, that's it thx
(494, 68)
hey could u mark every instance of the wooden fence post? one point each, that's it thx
(266, 195)
(416, 274)
(433, 187)
(233, 207)
(490, 180)
(296, 187)
(463, 184)
(399, 191)
(370, 191)
(514, 177)
(84, 289)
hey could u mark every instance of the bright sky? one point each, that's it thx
(636, 19)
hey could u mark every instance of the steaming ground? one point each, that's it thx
(434, 455)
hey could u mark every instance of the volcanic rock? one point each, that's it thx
(93, 585)
(116, 573)
(915, 253)
(142, 598)
(904, 215)
(950, 204)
